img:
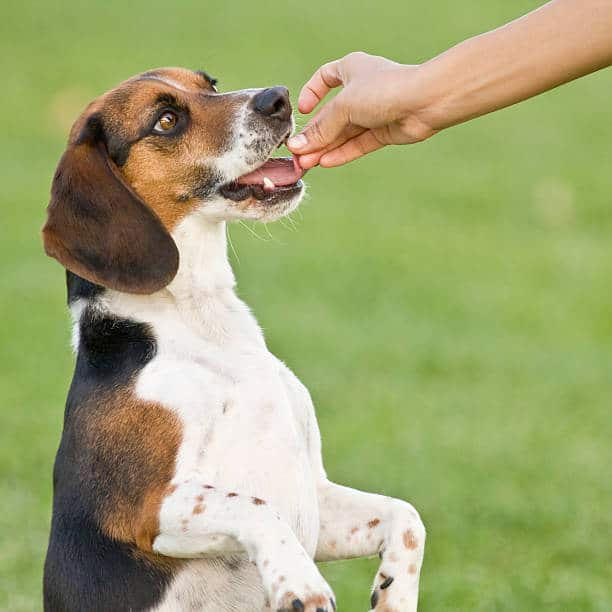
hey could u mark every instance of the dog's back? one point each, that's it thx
(98, 472)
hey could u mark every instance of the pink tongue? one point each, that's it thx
(282, 171)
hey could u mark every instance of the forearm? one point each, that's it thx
(559, 42)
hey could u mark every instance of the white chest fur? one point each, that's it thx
(240, 427)
(243, 429)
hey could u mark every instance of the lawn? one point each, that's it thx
(448, 304)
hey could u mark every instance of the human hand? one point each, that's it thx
(384, 103)
(377, 106)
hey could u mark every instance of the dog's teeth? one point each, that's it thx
(268, 184)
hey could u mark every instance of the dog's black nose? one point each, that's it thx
(273, 102)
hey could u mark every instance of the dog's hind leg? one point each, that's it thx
(358, 524)
(197, 520)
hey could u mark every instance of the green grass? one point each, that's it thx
(447, 304)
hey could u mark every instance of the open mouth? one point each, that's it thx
(277, 176)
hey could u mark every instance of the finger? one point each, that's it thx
(325, 78)
(323, 129)
(310, 160)
(356, 147)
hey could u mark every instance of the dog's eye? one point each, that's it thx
(165, 123)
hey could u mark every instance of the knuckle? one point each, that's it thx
(355, 55)
(329, 72)
(315, 133)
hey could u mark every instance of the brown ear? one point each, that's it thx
(98, 228)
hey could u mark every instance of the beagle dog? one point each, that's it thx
(189, 474)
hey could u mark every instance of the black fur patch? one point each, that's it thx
(78, 287)
(206, 181)
(85, 570)
(111, 350)
(210, 80)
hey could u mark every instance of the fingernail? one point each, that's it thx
(297, 142)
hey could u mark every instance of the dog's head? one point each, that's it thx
(160, 147)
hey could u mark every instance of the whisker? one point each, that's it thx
(291, 220)
(250, 229)
(272, 238)
(281, 221)
(229, 239)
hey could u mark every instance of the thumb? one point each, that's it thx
(323, 129)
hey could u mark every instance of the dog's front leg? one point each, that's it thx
(198, 520)
(358, 524)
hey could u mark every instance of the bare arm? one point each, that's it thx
(383, 102)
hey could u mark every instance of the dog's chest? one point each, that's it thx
(242, 428)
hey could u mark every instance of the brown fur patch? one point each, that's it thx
(259, 502)
(412, 569)
(94, 218)
(310, 603)
(354, 530)
(168, 173)
(135, 444)
(232, 495)
(373, 523)
(410, 542)
(199, 509)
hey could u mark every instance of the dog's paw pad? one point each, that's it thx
(379, 593)
(311, 603)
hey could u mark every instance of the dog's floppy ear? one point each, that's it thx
(98, 228)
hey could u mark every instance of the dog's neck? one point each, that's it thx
(202, 293)
(204, 269)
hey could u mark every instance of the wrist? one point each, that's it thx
(424, 99)
(416, 110)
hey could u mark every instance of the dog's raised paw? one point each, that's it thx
(376, 597)
(390, 595)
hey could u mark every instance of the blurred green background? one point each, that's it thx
(447, 304)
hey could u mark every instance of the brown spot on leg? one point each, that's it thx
(410, 542)
(199, 509)
(258, 502)
(354, 530)
(412, 569)
(232, 495)
(373, 523)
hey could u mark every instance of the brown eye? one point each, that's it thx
(165, 123)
